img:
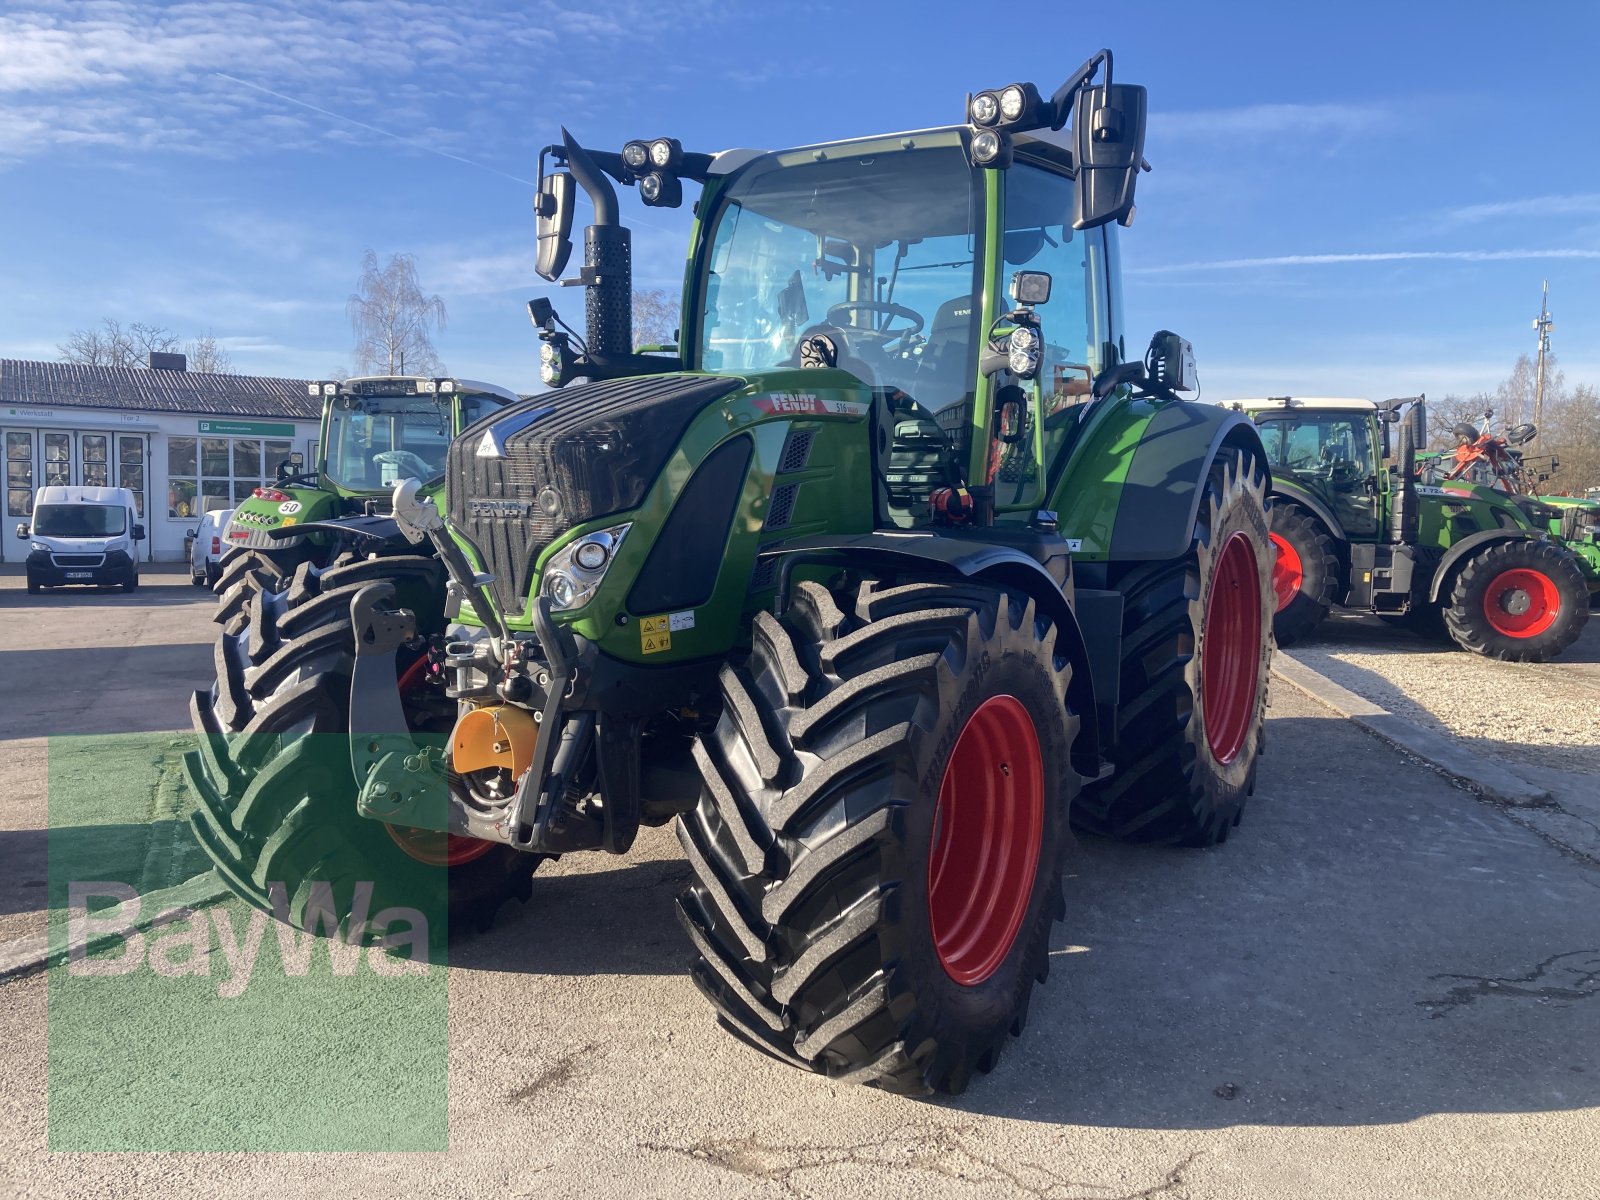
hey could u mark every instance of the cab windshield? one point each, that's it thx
(877, 252)
(80, 520)
(375, 441)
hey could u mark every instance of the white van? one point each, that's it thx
(83, 535)
(206, 548)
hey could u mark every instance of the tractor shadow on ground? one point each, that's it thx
(1371, 946)
(608, 922)
(149, 595)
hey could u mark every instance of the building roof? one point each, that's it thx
(133, 389)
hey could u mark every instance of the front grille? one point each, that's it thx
(569, 456)
(78, 560)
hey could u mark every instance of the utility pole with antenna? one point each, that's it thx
(1543, 324)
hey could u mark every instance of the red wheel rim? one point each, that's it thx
(986, 837)
(435, 848)
(1521, 602)
(429, 845)
(1288, 574)
(1230, 660)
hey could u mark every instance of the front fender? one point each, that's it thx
(1311, 502)
(1166, 479)
(1459, 553)
(995, 563)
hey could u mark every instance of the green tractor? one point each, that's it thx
(1495, 461)
(1353, 527)
(892, 570)
(375, 430)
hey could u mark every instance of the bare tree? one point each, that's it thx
(1573, 437)
(393, 320)
(1446, 412)
(655, 317)
(110, 344)
(208, 356)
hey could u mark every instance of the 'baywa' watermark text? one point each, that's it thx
(182, 946)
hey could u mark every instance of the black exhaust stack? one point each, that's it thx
(1403, 510)
(607, 263)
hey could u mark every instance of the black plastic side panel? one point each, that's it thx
(1166, 480)
(681, 571)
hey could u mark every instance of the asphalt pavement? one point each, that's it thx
(1381, 985)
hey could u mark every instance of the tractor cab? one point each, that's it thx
(1332, 449)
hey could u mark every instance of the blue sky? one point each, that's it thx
(1351, 198)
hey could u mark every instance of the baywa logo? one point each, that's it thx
(179, 941)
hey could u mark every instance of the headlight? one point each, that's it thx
(991, 149)
(635, 155)
(573, 574)
(1023, 351)
(650, 188)
(985, 108)
(39, 546)
(664, 153)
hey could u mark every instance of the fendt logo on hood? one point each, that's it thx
(499, 508)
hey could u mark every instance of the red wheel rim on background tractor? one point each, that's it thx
(1230, 661)
(1288, 573)
(429, 845)
(986, 836)
(1521, 603)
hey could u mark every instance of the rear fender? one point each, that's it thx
(1289, 490)
(987, 562)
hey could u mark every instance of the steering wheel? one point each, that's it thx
(410, 464)
(883, 334)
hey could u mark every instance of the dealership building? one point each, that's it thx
(184, 443)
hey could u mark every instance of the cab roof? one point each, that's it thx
(81, 494)
(462, 385)
(1268, 403)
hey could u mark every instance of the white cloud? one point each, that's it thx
(1526, 208)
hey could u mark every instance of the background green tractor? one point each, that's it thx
(1495, 461)
(375, 430)
(1353, 526)
(889, 570)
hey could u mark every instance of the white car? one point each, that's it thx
(206, 547)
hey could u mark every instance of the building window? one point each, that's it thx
(19, 474)
(217, 472)
(57, 460)
(96, 467)
(130, 468)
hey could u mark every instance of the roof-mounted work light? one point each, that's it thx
(655, 165)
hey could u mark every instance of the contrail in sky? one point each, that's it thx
(374, 129)
(1317, 260)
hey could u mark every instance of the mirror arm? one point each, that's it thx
(1061, 101)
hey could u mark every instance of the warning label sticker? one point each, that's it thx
(681, 620)
(655, 634)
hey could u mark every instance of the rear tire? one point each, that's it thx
(272, 775)
(1186, 749)
(1518, 601)
(1305, 571)
(855, 912)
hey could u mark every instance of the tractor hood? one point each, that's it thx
(521, 478)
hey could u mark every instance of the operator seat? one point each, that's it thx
(943, 374)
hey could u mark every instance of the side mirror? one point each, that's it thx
(138, 533)
(191, 533)
(1109, 123)
(1010, 414)
(553, 206)
(22, 530)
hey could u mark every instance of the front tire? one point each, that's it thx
(1518, 601)
(1305, 571)
(272, 774)
(880, 839)
(1196, 646)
